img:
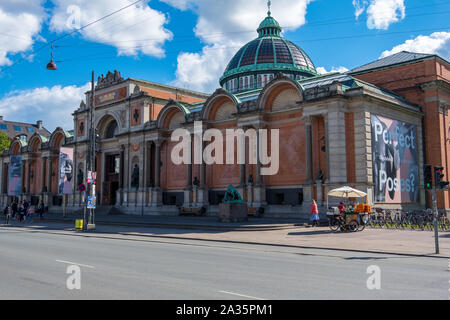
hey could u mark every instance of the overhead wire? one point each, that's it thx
(189, 38)
(68, 34)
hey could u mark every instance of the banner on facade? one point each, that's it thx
(395, 161)
(65, 171)
(15, 176)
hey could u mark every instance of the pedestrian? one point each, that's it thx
(26, 205)
(20, 213)
(314, 214)
(7, 213)
(14, 208)
(30, 213)
(341, 207)
(41, 209)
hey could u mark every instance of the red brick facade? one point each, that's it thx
(425, 82)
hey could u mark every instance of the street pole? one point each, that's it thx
(64, 205)
(435, 220)
(91, 156)
(84, 210)
(92, 143)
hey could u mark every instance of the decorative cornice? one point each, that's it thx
(109, 80)
(443, 108)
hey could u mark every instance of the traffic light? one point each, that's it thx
(427, 177)
(438, 175)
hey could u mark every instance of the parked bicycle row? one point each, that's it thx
(414, 219)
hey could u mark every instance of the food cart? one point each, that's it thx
(352, 219)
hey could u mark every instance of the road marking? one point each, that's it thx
(76, 264)
(241, 295)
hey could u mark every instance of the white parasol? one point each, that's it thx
(346, 192)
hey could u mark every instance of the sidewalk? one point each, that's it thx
(185, 222)
(284, 232)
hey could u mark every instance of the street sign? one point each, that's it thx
(91, 202)
(81, 188)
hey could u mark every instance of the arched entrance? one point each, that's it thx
(112, 163)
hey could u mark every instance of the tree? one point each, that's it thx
(4, 141)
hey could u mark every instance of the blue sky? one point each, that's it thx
(188, 43)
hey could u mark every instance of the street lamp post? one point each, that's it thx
(91, 155)
(91, 152)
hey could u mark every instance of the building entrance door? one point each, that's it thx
(111, 183)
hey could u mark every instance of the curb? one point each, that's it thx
(186, 226)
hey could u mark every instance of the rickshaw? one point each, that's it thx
(352, 219)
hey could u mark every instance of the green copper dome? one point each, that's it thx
(266, 56)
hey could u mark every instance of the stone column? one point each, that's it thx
(44, 164)
(259, 190)
(157, 192)
(335, 126)
(121, 176)
(142, 175)
(242, 172)
(308, 151)
(319, 192)
(126, 175)
(48, 195)
(148, 172)
(188, 189)
(202, 192)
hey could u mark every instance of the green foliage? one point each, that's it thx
(4, 141)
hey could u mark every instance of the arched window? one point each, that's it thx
(259, 81)
(111, 130)
(241, 83)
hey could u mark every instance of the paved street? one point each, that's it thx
(34, 264)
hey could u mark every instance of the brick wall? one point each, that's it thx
(417, 83)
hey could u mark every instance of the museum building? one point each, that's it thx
(372, 128)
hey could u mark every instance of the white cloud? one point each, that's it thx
(224, 27)
(322, 70)
(360, 7)
(436, 43)
(380, 13)
(52, 105)
(135, 29)
(20, 23)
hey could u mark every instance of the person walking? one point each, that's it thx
(26, 205)
(7, 213)
(41, 209)
(314, 214)
(14, 208)
(20, 213)
(30, 213)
